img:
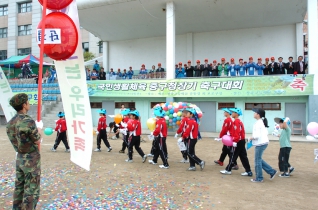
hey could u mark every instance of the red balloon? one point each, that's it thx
(165, 108)
(69, 36)
(176, 110)
(56, 4)
(180, 106)
(200, 115)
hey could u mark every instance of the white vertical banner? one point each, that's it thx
(5, 96)
(72, 80)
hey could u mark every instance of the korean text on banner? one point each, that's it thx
(72, 80)
(6, 95)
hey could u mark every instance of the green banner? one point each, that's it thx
(283, 85)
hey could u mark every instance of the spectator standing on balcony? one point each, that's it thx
(96, 66)
(143, 71)
(206, 68)
(259, 67)
(240, 68)
(273, 66)
(189, 69)
(266, 67)
(53, 72)
(159, 69)
(231, 68)
(281, 66)
(214, 69)
(222, 68)
(102, 74)
(290, 65)
(88, 74)
(250, 67)
(198, 69)
(180, 71)
(130, 73)
(112, 73)
(124, 74)
(119, 74)
(300, 66)
(94, 75)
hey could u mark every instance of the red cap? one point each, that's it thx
(272, 58)
(189, 61)
(267, 59)
(250, 58)
(240, 59)
(259, 59)
(185, 64)
(198, 61)
(143, 65)
(159, 64)
(214, 61)
(180, 63)
(222, 59)
(206, 59)
(232, 59)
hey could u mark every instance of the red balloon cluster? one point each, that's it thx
(69, 33)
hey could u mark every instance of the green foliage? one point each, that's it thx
(88, 56)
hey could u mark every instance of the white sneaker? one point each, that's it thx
(162, 166)
(192, 169)
(68, 150)
(109, 149)
(53, 150)
(184, 161)
(150, 155)
(151, 162)
(226, 172)
(129, 161)
(97, 150)
(144, 158)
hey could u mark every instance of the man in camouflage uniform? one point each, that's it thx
(25, 137)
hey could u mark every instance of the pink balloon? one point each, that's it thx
(227, 140)
(170, 106)
(170, 120)
(312, 128)
(180, 106)
(180, 103)
(200, 115)
(176, 110)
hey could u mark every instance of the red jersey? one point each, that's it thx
(226, 127)
(61, 125)
(191, 130)
(125, 120)
(136, 128)
(101, 123)
(161, 128)
(183, 125)
(237, 131)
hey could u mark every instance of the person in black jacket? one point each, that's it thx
(188, 69)
(300, 66)
(273, 67)
(266, 69)
(214, 69)
(290, 65)
(159, 69)
(198, 69)
(281, 66)
(206, 68)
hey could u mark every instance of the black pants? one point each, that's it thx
(239, 151)
(153, 147)
(115, 130)
(102, 135)
(225, 151)
(61, 137)
(161, 149)
(283, 159)
(125, 142)
(191, 152)
(134, 141)
(185, 153)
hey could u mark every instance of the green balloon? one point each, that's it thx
(167, 122)
(48, 131)
(167, 113)
(170, 116)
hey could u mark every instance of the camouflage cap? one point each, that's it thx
(19, 99)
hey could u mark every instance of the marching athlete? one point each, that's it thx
(181, 130)
(61, 133)
(101, 131)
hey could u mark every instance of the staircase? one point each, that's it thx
(50, 114)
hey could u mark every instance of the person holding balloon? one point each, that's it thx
(191, 135)
(101, 131)
(61, 133)
(181, 130)
(238, 149)
(134, 127)
(123, 129)
(260, 141)
(160, 134)
(285, 147)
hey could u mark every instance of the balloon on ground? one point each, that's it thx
(48, 131)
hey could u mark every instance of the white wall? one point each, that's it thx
(257, 42)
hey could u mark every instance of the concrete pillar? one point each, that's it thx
(299, 40)
(12, 29)
(36, 18)
(170, 40)
(190, 47)
(312, 41)
(105, 57)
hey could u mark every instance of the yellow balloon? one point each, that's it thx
(179, 114)
(151, 124)
(118, 118)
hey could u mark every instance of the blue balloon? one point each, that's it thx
(174, 120)
(173, 123)
(178, 118)
(167, 104)
(184, 104)
(171, 111)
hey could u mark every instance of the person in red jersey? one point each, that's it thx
(61, 133)
(238, 149)
(160, 134)
(227, 124)
(101, 131)
(191, 135)
(123, 129)
(181, 130)
(134, 128)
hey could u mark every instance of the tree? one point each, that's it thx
(88, 56)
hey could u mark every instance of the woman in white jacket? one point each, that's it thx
(260, 141)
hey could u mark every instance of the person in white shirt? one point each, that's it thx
(260, 141)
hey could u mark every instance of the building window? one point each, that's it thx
(3, 32)
(3, 55)
(152, 104)
(24, 30)
(3, 10)
(127, 105)
(96, 105)
(25, 7)
(85, 46)
(100, 48)
(226, 105)
(24, 51)
(265, 106)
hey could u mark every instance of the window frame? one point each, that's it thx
(85, 49)
(27, 29)
(152, 104)
(24, 49)
(261, 105)
(222, 105)
(4, 10)
(3, 54)
(128, 105)
(25, 7)
(2, 34)
(96, 105)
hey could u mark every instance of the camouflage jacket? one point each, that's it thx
(23, 134)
